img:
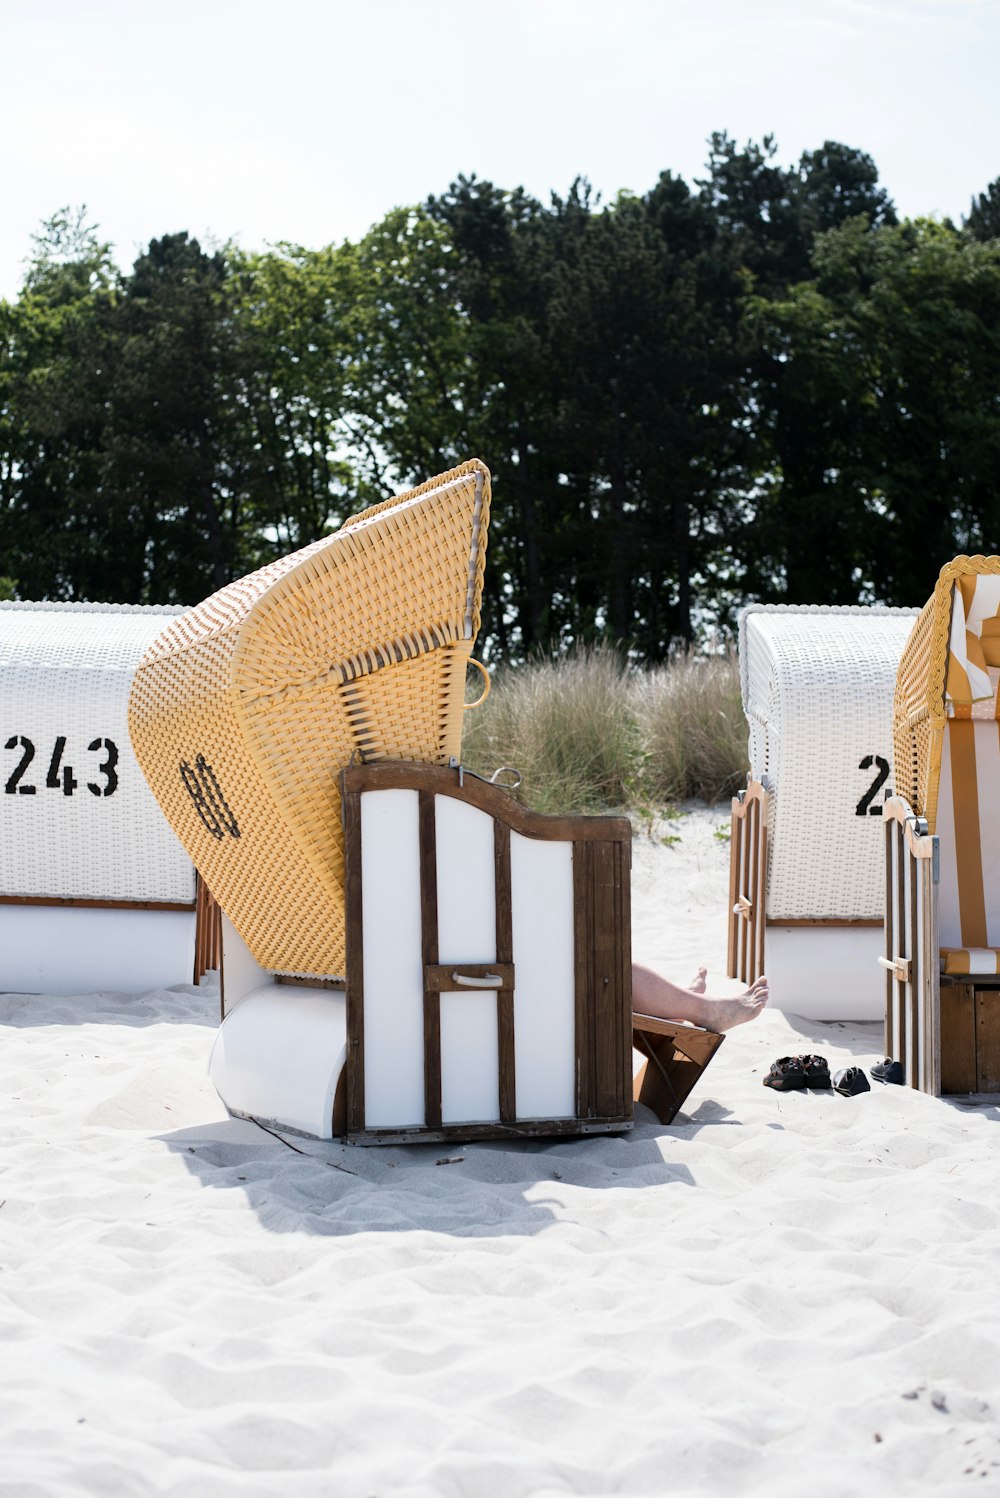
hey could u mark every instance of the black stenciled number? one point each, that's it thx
(193, 787)
(211, 805)
(67, 780)
(213, 792)
(107, 768)
(868, 806)
(18, 741)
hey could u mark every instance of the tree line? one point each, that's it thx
(759, 386)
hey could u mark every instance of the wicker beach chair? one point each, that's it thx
(806, 894)
(96, 892)
(408, 953)
(942, 836)
(246, 708)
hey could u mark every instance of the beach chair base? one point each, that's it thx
(944, 1030)
(65, 947)
(279, 1059)
(488, 985)
(676, 1055)
(970, 1036)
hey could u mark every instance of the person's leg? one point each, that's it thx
(656, 995)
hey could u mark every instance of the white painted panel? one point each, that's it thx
(466, 891)
(393, 966)
(466, 882)
(826, 972)
(470, 1057)
(949, 915)
(58, 949)
(278, 1057)
(241, 972)
(544, 999)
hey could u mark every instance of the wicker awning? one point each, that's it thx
(244, 711)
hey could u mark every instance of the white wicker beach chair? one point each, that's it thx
(407, 952)
(942, 833)
(806, 874)
(96, 892)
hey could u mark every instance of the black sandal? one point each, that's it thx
(817, 1070)
(851, 1081)
(787, 1074)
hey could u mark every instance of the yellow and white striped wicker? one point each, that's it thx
(947, 730)
(927, 671)
(244, 711)
(77, 820)
(817, 687)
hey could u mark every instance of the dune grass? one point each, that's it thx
(590, 733)
(693, 728)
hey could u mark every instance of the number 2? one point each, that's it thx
(865, 806)
(18, 741)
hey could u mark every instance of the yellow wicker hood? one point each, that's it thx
(244, 710)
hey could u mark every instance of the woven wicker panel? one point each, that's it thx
(77, 820)
(919, 707)
(817, 691)
(244, 711)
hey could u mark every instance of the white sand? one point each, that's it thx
(785, 1294)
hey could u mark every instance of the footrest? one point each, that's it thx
(676, 1055)
(279, 1058)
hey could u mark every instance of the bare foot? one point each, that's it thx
(697, 984)
(657, 996)
(724, 1014)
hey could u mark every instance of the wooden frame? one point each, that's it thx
(74, 901)
(945, 1031)
(207, 934)
(970, 1036)
(911, 958)
(602, 956)
(676, 1055)
(747, 883)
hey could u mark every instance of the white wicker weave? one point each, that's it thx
(817, 687)
(77, 820)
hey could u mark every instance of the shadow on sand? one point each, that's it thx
(181, 1005)
(486, 1189)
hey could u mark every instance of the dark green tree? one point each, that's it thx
(54, 391)
(173, 507)
(295, 334)
(891, 363)
(648, 324)
(983, 219)
(809, 529)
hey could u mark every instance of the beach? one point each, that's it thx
(780, 1294)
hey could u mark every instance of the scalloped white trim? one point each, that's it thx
(859, 610)
(84, 607)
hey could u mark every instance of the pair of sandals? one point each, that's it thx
(792, 1073)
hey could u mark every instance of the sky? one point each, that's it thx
(307, 120)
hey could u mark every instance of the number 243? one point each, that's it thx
(60, 776)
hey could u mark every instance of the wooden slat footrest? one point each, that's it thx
(676, 1055)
